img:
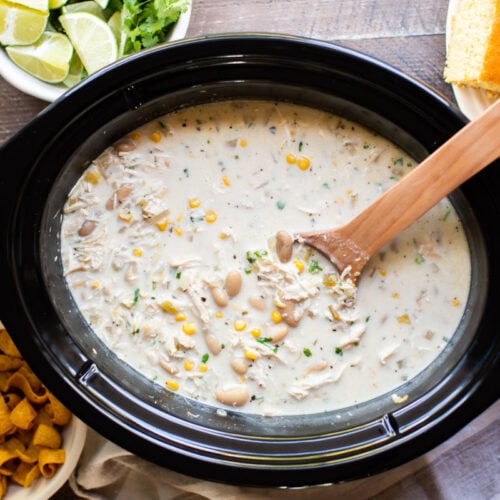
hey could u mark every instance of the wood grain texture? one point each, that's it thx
(323, 19)
(407, 34)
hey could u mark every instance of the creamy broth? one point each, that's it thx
(169, 246)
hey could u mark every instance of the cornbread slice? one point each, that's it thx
(473, 55)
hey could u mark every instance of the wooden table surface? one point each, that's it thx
(408, 34)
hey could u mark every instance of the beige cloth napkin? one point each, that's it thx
(467, 467)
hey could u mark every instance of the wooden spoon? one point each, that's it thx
(466, 153)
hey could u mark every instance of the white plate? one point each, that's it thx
(472, 102)
(28, 84)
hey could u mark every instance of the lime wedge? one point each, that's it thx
(76, 72)
(20, 25)
(55, 4)
(41, 5)
(47, 59)
(86, 6)
(92, 39)
(115, 23)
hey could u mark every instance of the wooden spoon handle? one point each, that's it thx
(466, 153)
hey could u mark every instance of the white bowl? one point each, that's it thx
(28, 84)
(73, 435)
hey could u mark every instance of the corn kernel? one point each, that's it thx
(169, 307)
(349, 192)
(156, 136)
(178, 231)
(256, 332)
(395, 295)
(210, 216)
(202, 368)
(299, 264)
(291, 158)
(382, 272)
(92, 177)
(456, 302)
(173, 385)
(137, 252)
(135, 136)
(189, 328)
(125, 216)
(218, 314)
(222, 236)
(243, 143)
(240, 325)
(404, 319)
(96, 284)
(162, 226)
(276, 316)
(303, 163)
(251, 355)
(180, 317)
(188, 365)
(329, 280)
(225, 181)
(194, 202)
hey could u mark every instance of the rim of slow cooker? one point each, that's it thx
(384, 436)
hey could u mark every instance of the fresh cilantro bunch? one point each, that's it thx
(147, 22)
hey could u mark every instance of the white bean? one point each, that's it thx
(233, 282)
(278, 333)
(233, 396)
(219, 295)
(257, 302)
(87, 227)
(213, 343)
(239, 365)
(119, 196)
(284, 246)
(125, 145)
(290, 315)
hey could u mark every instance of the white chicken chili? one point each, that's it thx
(176, 248)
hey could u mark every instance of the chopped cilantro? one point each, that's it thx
(253, 256)
(135, 332)
(148, 22)
(280, 205)
(419, 259)
(205, 357)
(314, 266)
(267, 342)
(178, 275)
(137, 292)
(307, 352)
(339, 351)
(251, 259)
